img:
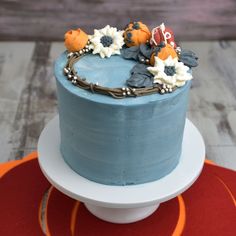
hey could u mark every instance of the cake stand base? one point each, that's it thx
(121, 215)
(120, 204)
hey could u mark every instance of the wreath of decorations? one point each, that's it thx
(161, 65)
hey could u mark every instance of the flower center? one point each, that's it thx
(170, 70)
(106, 41)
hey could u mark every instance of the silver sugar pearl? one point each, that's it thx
(123, 88)
(147, 60)
(86, 49)
(124, 94)
(65, 70)
(170, 90)
(178, 49)
(97, 83)
(75, 77)
(142, 60)
(80, 51)
(133, 89)
(127, 89)
(168, 86)
(163, 91)
(128, 93)
(69, 76)
(70, 54)
(83, 50)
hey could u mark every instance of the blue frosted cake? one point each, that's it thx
(122, 99)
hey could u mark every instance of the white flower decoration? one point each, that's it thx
(107, 41)
(170, 72)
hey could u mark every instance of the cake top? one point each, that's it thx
(155, 63)
(99, 70)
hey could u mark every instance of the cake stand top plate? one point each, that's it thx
(69, 182)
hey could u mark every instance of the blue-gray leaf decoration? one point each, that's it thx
(189, 58)
(140, 77)
(139, 53)
(130, 53)
(146, 50)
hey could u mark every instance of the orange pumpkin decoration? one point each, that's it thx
(163, 54)
(136, 33)
(75, 40)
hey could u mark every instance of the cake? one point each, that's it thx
(122, 99)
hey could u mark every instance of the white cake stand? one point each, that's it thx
(120, 204)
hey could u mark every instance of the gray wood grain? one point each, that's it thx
(12, 79)
(212, 105)
(49, 20)
(28, 101)
(28, 97)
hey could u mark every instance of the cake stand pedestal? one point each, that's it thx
(120, 204)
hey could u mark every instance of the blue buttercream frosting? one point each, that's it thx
(108, 72)
(118, 141)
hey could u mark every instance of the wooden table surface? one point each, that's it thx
(28, 96)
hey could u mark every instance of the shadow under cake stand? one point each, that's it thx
(120, 204)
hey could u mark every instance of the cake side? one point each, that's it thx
(122, 99)
(120, 144)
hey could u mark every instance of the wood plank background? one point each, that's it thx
(28, 96)
(49, 20)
